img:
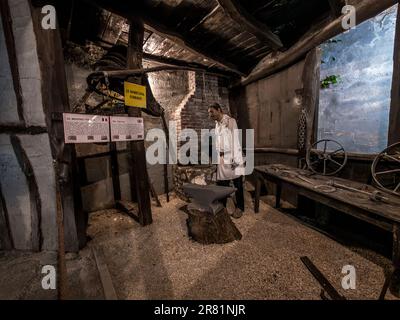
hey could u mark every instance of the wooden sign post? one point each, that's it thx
(139, 179)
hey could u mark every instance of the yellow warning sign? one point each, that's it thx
(135, 95)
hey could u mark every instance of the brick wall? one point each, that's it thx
(185, 96)
(208, 90)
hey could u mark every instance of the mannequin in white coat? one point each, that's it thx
(230, 166)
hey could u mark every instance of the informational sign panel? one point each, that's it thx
(86, 128)
(126, 128)
(135, 95)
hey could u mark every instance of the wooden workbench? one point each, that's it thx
(382, 215)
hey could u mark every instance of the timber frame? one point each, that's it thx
(394, 117)
(365, 10)
(262, 32)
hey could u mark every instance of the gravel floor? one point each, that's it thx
(21, 277)
(161, 262)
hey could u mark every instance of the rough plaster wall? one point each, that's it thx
(16, 194)
(169, 89)
(28, 63)
(38, 150)
(356, 111)
(16, 191)
(20, 198)
(8, 101)
(272, 110)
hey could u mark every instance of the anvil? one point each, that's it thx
(206, 198)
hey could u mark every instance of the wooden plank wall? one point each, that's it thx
(269, 107)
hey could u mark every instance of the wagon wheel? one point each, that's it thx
(386, 169)
(321, 160)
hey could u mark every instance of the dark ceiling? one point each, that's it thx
(208, 34)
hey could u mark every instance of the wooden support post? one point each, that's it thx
(311, 88)
(81, 216)
(55, 101)
(396, 246)
(395, 279)
(394, 118)
(134, 60)
(115, 171)
(61, 262)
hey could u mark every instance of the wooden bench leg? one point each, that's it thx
(396, 246)
(395, 278)
(278, 196)
(257, 195)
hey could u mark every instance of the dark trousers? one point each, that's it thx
(238, 183)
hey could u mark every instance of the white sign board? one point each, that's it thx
(126, 128)
(85, 128)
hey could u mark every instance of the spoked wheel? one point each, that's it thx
(386, 169)
(326, 157)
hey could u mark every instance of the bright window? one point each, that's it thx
(356, 80)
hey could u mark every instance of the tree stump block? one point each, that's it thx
(209, 228)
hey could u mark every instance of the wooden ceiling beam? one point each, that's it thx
(336, 7)
(246, 20)
(182, 63)
(191, 47)
(128, 10)
(366, 9)
(208, 15)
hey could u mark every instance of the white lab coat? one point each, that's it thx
(227, 141)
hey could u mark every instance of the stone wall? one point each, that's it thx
(201, 174)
